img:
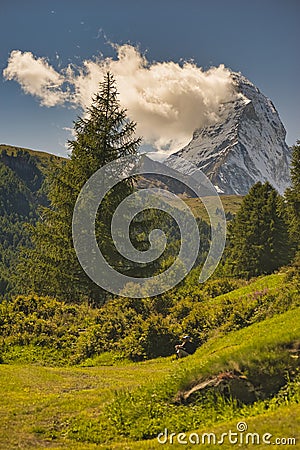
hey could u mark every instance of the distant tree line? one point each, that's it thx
(265, 233)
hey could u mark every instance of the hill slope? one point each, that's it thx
(116, 404)
(22, 192)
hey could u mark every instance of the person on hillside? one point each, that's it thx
(186, 348)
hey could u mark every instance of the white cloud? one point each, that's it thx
(167, 100)
(36, 77)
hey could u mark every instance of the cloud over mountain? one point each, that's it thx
(168, 100)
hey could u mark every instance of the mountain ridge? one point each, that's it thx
(246, 144)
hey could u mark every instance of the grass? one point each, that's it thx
(38, 399)
(259, 352)
(256, 347)
(231, 203)
(36, 403)
(283, 423)
(264, 282)
(111, 404)
(71, 407)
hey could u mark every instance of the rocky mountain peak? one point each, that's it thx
(246, 144)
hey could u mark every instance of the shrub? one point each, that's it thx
(150, 338)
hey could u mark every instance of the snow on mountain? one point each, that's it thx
(245, 146)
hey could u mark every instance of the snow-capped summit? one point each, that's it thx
(245, 146)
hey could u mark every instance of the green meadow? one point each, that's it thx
(112, 403)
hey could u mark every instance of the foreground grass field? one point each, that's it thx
(48, 407)
(35, 399)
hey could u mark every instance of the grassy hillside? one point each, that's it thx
(110, 407)
(231, 205)
(259, 353)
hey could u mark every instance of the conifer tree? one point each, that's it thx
(258, 236)
(293, 200)
(51, 266)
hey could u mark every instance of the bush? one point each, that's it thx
(221, 286)
(139, 329)
(150, 338)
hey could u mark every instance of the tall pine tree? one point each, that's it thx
(51, 266)
(293, 201)
(258, 236)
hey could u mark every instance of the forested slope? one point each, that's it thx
(22, 192)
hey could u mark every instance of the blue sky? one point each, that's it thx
(258, 38)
